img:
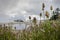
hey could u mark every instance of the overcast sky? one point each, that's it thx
(21, 9)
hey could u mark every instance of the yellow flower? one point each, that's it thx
(47, 14)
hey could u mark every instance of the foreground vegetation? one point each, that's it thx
(48, 30)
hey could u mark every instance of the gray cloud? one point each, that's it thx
(15, 9)
(4, 5)
(56, 3)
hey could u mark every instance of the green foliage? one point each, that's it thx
(6, 34)
(48, 30)
(55, 15)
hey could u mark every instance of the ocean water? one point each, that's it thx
(19, 26)
(22, 26)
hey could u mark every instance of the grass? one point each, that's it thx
(49, 30)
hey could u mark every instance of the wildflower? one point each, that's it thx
(47, 14)
(51, 8)
(43, 6)
(40, 18)
(34, 20)
(29, 17)
(40, 14)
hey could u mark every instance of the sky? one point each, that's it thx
(22, 9)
